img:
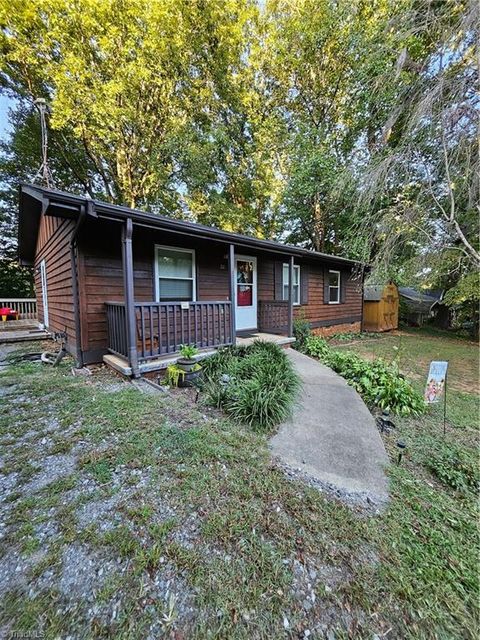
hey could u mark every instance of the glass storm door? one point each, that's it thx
(245, 292)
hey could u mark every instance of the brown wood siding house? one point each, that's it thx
(137, 285)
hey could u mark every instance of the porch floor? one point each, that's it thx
(250, 336)
(157, 364)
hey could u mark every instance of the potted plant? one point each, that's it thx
(188, 364)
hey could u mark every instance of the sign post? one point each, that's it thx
(436, 386)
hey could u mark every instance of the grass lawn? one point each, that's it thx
(414, 349)
(130, 515)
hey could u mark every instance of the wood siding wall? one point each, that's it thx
(315, 310)
(321, 314)
(53, 246)
(101, 278)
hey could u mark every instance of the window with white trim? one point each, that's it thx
(174, 274)
(296, 282)
(333, 287)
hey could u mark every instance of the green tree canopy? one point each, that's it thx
(348, 127)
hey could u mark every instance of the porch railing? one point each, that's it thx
(161, 327)
(273, 316)
(117, 328)
(26, 307)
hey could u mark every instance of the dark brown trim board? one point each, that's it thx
(330, 323)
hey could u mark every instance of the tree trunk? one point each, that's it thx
(318, 225)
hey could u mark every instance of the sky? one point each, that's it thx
(5, 104)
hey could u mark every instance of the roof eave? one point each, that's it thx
(54, 200)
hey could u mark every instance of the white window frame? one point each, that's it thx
(339, 287)
(284, 284)
(160, 247)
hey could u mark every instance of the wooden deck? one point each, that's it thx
(21, 331)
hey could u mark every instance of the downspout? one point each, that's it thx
(76, 299)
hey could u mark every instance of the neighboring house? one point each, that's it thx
(416, 307)
(138, 285)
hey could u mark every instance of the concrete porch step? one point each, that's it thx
(282, 341)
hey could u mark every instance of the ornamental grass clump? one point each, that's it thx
(255, 385)
(378, 383)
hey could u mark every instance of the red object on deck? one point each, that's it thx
(7, 313)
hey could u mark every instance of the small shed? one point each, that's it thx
(380, 307)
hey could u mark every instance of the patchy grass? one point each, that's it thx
(414, 349)
(429, 537)
(174, 520)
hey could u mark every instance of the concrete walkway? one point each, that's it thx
(332, 436)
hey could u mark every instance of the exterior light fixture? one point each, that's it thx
(401, 448)
(384, 423)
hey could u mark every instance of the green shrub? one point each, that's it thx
(301, 331)
(316, 347)
(379, 383)
(188, 351)
(256, 385)
(349, 336)
(455, 466)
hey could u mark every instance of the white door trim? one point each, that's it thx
(246, 317)
(43, 280)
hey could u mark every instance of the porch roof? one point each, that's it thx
(35, 200)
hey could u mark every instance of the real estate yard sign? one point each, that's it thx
(436, 386)
(437, 377)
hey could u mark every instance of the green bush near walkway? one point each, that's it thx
(255, 385)
(378, 383)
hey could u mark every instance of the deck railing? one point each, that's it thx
(273, 316)
(163, 326)
(26, 307)
(116, 328)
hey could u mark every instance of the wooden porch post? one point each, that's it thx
(290, 298)
(128, 290)
(232, 285)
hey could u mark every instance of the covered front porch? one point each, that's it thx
(147, 335)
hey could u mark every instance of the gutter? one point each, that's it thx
(182, 227)
(75, 294)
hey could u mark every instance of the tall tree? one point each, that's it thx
(348, 127)
(422, 179)
(128, 80)
(314, 56)
(20, 158)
